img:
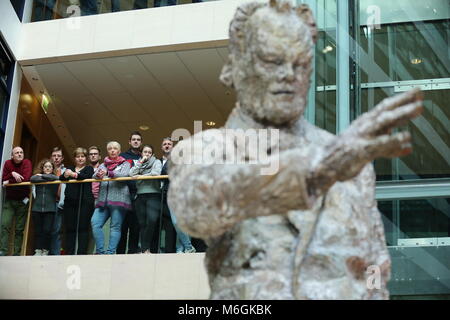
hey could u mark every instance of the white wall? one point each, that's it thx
(10, 27)
(132, 276)
(130, 32)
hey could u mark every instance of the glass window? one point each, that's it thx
(18, 7)
(3, 98)
(430, 132)
(421, 50)
(416, 222)
(6, 62)
(400, 54)
(53, 9)
(325, 66)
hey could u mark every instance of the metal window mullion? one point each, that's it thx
(343, 66)
(413, 191)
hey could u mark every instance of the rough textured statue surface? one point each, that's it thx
(312, 229)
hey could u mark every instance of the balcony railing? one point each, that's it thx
(160, 230)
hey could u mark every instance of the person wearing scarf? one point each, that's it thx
(113, 199)
(148, 202)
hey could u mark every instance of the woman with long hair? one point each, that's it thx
(44, 208)
(78, 203)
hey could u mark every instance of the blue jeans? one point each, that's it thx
(99, 218)
(55, 236)
(184, 239)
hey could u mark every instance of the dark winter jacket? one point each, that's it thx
(45, 199)
(74, 191)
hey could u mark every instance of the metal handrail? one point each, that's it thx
(87, 180)
(27, 223)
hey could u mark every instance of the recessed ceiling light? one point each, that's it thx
(144, 128)
(210, 123)
(416, 61)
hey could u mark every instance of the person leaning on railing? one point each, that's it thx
(43, 208)
(78, 204)
(148, 201)
(16, 170)
(113, 200)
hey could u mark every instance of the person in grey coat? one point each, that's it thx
(148, 201)
(43, 209)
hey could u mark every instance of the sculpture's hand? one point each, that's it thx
(372, 129)
(369, 137)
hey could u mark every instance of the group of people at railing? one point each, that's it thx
(137, 209)
(44, 9)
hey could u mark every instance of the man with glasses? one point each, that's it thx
(95, 161)
(55, 242)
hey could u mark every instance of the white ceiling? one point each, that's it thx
(95, 101)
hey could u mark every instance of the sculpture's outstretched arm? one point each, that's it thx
(368, 137)
(210, 199)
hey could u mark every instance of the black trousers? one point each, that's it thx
(43, 222)
(199, 244)
(130, 224)
(71, 220)
(148, 207)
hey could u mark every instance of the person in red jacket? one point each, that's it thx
(16, 201)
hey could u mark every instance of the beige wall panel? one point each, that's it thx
(136, 276)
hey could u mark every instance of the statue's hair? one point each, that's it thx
(238, 27)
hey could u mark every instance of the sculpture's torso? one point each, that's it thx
(262, 258)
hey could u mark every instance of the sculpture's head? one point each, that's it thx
(271, 50)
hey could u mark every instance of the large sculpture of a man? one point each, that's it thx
(312, 229)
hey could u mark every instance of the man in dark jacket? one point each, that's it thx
(131, 224)
(166, 223)
(15, 170)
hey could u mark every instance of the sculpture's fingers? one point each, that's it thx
(391, 119)
(390, 146)
(399, 100)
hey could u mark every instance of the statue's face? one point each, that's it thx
(272, 78)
